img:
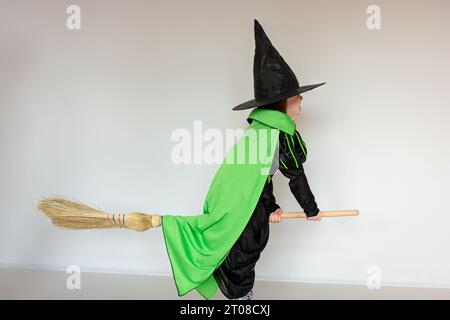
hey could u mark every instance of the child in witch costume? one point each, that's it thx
(220, 248)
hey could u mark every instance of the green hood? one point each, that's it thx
(273, 118)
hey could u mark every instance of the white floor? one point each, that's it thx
(51, 284)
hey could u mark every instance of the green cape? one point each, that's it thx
(197, 245)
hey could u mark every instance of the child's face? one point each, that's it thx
(293, 107)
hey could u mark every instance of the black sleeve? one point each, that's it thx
(300, 189)
(292, 154)
(268, 197)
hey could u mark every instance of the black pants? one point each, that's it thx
(236, 274)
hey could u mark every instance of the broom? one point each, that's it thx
(71, 214)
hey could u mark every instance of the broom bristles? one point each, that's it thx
(71, 214)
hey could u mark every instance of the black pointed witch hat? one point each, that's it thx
(273, 79)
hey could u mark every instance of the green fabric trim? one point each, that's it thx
(289, 145)
(283, 164)
(301, 144)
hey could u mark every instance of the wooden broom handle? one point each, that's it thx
(329, 214)
(156, 219)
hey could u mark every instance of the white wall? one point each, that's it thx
(88, 114)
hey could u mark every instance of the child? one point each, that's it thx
(220, 248)
(236, 274)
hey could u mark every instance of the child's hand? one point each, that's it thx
(317, 217)
(275, 217)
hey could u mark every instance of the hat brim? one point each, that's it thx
(255, 103)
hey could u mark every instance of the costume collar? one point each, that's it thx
(273, 118)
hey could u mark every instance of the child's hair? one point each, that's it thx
(279, 106)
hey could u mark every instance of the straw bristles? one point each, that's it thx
(71, 214)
